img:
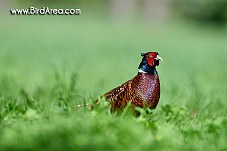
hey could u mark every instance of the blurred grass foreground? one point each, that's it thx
(50, 63)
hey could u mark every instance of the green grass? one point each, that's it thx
(49, 64)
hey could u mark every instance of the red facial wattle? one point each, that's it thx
(150, 58)
(150, 61)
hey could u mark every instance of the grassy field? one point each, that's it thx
(49, 64)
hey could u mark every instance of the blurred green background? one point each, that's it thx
(50, 63)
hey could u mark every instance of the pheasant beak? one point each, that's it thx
(158, 58)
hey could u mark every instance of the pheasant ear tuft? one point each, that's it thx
(143, 54)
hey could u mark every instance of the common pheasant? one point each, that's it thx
(142, 91)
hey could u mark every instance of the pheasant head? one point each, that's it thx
(149, 62)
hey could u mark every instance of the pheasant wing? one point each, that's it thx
(120, 96)
(113, 94)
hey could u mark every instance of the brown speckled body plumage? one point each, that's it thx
(142, 91)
